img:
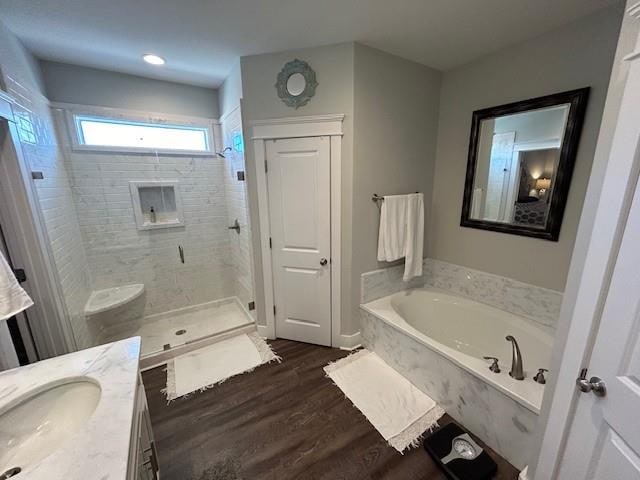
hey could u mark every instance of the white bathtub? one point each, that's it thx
(437, 340)
(464, 331)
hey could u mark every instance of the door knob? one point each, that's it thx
(323, 261)
(594, 384)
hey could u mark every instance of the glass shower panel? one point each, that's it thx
(171, 286)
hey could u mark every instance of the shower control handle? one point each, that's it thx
(323, 261)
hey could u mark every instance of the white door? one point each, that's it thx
(604, 437)
(497, 180)
(298, 180)
(610, 425)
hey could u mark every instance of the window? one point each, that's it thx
(102, 133)
(26, 129)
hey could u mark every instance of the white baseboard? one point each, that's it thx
(349, 342)
(263, 331)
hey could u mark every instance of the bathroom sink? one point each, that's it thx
(42, 421)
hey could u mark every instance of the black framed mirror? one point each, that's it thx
(521, 158)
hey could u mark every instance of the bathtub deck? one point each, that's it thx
(282, 421)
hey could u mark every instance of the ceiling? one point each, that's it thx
(201, 39)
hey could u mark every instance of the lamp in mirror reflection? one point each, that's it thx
(543, 184)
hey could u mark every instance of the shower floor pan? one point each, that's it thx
(164, 335)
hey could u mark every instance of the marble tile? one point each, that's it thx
(385, 281)
(38, 144)
(117, 253)
(498, 420)
(236, 196)
(538, 304)
(102, 444)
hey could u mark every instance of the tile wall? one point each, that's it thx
(237, 208)
(42, 153)
(118, 253)
(534, 303)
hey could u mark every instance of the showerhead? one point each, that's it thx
(221, 154)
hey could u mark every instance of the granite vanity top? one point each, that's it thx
(100, 450)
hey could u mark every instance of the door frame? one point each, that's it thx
(298, 127)
(28, 246)
(514, 170)
(612, 183)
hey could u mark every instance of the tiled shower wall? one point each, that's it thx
(237, 208)
(118, 253)
(41, 152)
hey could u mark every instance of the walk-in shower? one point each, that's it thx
(147, 223)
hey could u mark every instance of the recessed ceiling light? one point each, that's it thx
(153, 59)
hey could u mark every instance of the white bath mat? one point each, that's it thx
(397, 409)
(208, 366)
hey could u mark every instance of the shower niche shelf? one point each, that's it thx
(157, 204)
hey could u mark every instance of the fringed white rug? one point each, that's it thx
(209, 366)
(397, 409)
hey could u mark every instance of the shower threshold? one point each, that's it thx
(172, 333)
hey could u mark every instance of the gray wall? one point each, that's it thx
(230, 92)
(391, 112)
(90, 86)
(17, 61)
(395, 127)
(577, 55)
(334, 69)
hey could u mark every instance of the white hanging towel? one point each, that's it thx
(402, 232)
(393, 228)
(13, 298)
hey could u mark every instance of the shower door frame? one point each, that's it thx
(26, 239)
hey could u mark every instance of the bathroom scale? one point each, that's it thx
(459, 456)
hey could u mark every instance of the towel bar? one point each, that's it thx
(378, 198)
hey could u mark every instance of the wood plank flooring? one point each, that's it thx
(281, 421)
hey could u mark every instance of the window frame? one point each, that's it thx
(74, 114)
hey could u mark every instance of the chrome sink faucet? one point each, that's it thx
(516, 360)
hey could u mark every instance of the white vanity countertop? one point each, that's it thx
(100, 450)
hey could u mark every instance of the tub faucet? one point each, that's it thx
(516, 361)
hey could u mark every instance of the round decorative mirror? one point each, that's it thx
(296, 83)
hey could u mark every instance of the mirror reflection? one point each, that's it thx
(517, 163)
(296, 84)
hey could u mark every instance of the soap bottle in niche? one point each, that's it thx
(152, 215)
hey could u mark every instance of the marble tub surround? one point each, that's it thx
(538, 304)
(504, 424)
(505, 415)
(535, 303)
(386, 281)
(463, 331)
(102, 444)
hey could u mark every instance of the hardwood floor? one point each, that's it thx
(281, 421)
